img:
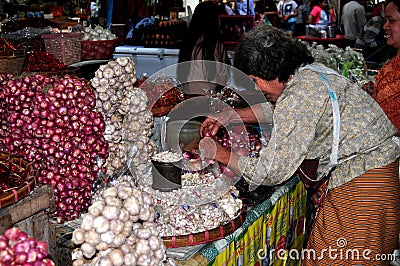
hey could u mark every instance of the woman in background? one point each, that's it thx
(318, 15)
(202, 48)
(387, 82)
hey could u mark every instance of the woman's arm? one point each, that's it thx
(311, 19)
(258, 113)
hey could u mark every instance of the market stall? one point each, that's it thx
(337, 40)
(110, 187)
(115, 145)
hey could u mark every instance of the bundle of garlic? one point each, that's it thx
(97, 33)
(112, 83)
(127, 119)
(119, 229)
(138, 129)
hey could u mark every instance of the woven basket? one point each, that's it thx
(66, 47)
(72, 71)
(21, 173)
(12, 61)
(206, 236)
(98, 50)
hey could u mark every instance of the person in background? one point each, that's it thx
(201, 47)
(318, 15)
(270, 8)
(300, 28)
(332, 15)
(371, 38)
(362, 202)
(387, 83)
(244, 7)
(288, 11)
(225, 8)
(353, 19)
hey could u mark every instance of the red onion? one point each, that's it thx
(50, 122)
(244, 141)
(17, 248)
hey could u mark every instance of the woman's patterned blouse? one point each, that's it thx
(387, 90)
(302, 128)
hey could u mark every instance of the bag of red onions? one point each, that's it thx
(17, 248)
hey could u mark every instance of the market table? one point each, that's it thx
(277, 223)
(339, 40)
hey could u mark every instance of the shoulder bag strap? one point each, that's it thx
(336, 116)
(336, 124)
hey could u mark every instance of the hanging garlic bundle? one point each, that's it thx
(137, 129)
(115, 98)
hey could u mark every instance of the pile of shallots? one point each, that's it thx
(119, 229)
(128, 122)
(17, 248)
(52, 123)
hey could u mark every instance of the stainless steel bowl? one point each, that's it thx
(166, 176)
(182, 135)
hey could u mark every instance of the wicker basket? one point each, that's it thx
(98, 50)
(207, 236)
(66, 47)
(70, 70)
(21, 173)
(12, 61)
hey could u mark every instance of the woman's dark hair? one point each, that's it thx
(268, 53)
(396, 2)
(316, 3)
(204, 24)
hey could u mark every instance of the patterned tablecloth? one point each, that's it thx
(275, 224)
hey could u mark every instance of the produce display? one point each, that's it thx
(97, 43)
(17, 248)
(346, 61)
(163, 94)
(167, 157)
(127, 119)
(51, 122)
(243, 140)
(39, 61)
(204, 202)
(91, 141)
(97, 33)
(119, 229)
(179, 219)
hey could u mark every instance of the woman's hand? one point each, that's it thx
(211, 124)
(211, 149)
(208, 148)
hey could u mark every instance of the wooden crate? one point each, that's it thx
(65, 246)
(30, 214)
